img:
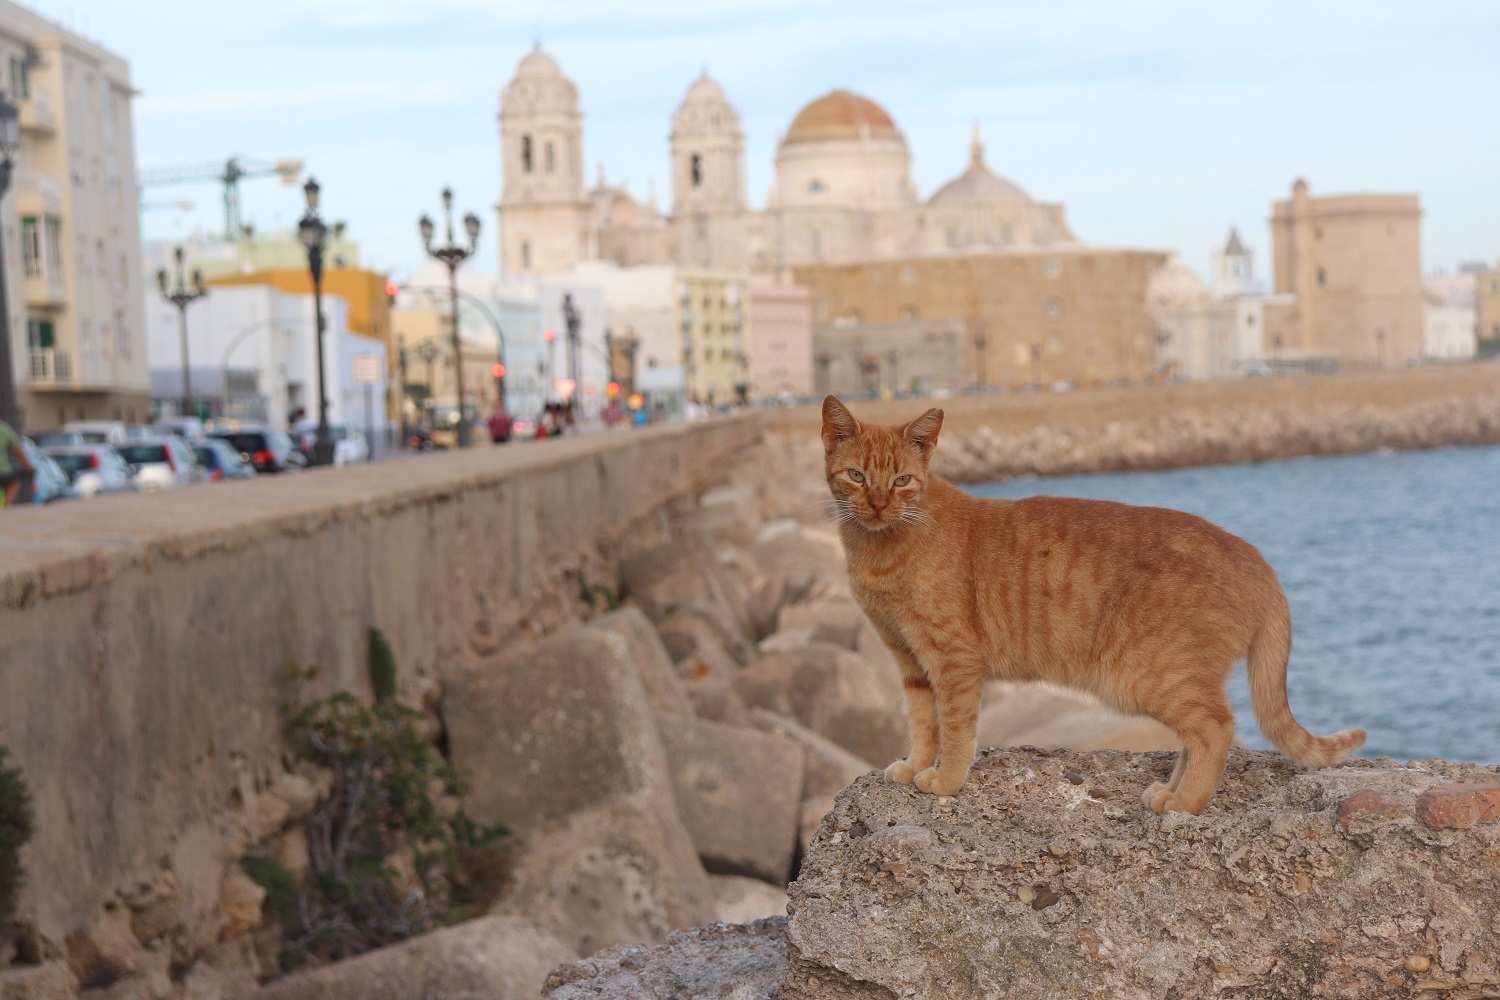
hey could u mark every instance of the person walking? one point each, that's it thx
(500, 425)
(15, 467)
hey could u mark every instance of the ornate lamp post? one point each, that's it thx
(573, 320)
(10, 141)
(182, 296)
(453, 255)
(314, 236)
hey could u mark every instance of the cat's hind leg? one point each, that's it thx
(1206, 727)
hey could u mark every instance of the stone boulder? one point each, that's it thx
(739, 793)
(664, 686)
(562, 744)
(1045, 876)
(740, 900)
(833, 691)
(734, 961)
(828, 768)
(489, 957)
(1041, 715)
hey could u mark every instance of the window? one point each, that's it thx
(551, 161)
(908, 314)
(815, 186)
(39, 333)
(695, 168)
(20, 82)
(1053, 308)
(31, 246)
(526, 154)
(525, 255)
(53, 229)
(1322, 277)
(122, 335)
(1053, 267)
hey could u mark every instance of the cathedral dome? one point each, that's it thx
(977, 185)
(841, 114)
(1174, 285)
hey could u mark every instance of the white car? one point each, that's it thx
(349, 444)
(93, 468)
(161, 463)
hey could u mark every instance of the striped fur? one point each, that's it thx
(1147, 608)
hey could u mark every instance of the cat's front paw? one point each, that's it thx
(1161, 799)
(932, 782)
(900, 772)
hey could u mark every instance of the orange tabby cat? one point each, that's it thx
(1146, 608)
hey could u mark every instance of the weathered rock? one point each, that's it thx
(800, 554)
(828, 767)
(738, 962)
(835, 620)
(832, 691)
(616, 874)
(708, 674)
(107, 950)
(1045, 876)
(1041, 715)
(691, 627)
(298, 793)
(740, 900)
(562, 744)
(738, 791)
(156, 909)
(240, 899)
(731, 513)
(490, 958)
(688, 575)
(664, 688)
(48, 981)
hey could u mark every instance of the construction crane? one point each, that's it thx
(229, 174)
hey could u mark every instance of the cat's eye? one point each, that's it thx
(856, 475)
(902, 480)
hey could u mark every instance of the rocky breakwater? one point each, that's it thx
(1222, 435)
(1044, 877)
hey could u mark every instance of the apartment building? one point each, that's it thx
(69, 228)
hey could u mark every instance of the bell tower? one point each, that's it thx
(543, 205)
(708, 153)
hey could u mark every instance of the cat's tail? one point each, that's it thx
(1270, 649)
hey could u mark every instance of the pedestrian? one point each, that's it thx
(15, 467)
(500, 424)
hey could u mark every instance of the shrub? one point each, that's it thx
(382, 667)
(16, 821)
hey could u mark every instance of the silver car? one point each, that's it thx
(160, 463)
(93, 468)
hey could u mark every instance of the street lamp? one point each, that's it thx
(453, 255)
(314, 236)
(182, 296)
(572, 320)
(10, 142)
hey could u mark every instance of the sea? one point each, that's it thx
(1391, 563)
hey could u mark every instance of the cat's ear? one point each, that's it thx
(838, 423)
(922, 433)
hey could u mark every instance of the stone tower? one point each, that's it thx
(544, 210)
(1234, 271)
(708, 176)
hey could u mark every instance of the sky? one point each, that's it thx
(1158, 123)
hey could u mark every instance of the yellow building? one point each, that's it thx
(1487, 298)
(1354, 262)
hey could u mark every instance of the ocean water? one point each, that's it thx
(1391, 563)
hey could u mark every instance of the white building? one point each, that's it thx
(1450, 316)
(267, 333)
(72, 276)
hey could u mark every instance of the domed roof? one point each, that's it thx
(841, 114)
(705, 90)
(537, 64)
(977, 185)
(1175, 284)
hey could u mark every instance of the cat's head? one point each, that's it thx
(877, 473)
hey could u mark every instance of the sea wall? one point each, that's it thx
(144, 639)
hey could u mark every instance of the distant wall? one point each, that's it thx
(143, 639)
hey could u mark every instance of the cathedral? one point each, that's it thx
(843, 191)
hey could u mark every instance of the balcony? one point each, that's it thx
(37, 194)
(44, 288)
(37, 114)
(50, 366)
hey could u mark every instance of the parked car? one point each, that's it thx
(187, 428)
(444, 423)
(56, 439)
(161, 463)
(349, 444)
(221, 461)
(93, 468)
(98, 431)
(266, 448)
(49, 483)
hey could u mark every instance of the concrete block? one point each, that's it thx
(664, 686)
(738, 792)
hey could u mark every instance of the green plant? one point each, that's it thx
(282, 891)
(382, 667)
(16, 828)
(389, 854)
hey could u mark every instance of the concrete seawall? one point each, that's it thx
(143, 639)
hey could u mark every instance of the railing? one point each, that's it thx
(49, 364)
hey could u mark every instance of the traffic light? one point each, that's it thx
(550, 336)
(497, 370)
(614, 389)
(391, 291)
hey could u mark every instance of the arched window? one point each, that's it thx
(526, 153)
(525, 255)
(550, 159)
(695, 168)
